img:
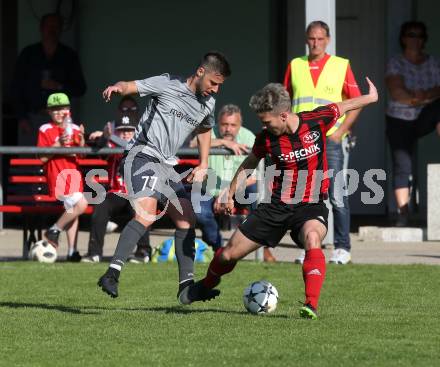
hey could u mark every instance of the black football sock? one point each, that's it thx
(185, 252)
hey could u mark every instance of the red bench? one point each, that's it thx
(32, 207)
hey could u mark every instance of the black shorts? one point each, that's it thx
(268, 223)
(146, 176)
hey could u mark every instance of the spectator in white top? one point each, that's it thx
(413, 82)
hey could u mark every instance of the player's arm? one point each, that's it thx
(204, 144)
(225, 200)
(350, 119)
(359, 102)
(122, 88)
(350, 90)
(346, 127)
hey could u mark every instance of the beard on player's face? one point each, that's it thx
(199, 86)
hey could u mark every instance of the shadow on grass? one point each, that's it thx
(92, 310)
(425, 255)
(44, 306)
(184, 310)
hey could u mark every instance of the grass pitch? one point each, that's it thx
(54, 315)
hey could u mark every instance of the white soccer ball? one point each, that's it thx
(43, 252)
(260, 297)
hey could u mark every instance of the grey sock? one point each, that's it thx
(185, 252)
(127, 242)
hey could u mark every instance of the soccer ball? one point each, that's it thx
(43, 252)
(260, 297)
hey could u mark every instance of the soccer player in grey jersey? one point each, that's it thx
(175, 109)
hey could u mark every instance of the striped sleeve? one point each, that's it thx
(328, 114)
(259, 149)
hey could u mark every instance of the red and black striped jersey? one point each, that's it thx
(299, 157)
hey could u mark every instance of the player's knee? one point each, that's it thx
(192, 220)
(312, 240)
(186, 223)
(142, 220)
(187, 220)
(227, 256)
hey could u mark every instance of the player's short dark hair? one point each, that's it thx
(45, 17)
(215, 61)
(407, 26)
(318, 24)
(272, 98)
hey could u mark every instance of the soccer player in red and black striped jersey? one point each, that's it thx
(296, 145)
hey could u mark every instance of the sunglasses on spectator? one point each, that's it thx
(125, 109)
(414, 35)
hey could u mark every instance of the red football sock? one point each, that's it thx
(313, 275)
(216, 269)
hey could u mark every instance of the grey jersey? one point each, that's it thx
(172, 113)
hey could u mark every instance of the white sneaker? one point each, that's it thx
(335, 256)
(91, 259)
(340, 256)
(111, 227)
(301, 257)
(139, 260)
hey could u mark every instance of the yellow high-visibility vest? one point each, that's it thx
(307, 97)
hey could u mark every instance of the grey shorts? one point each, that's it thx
(146, 176)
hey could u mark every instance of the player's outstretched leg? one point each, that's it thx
(130, 236)
(224, 262)
(308, 312)
(197, 292)
(314, 275)
(184, 239)
(109, 282)
(311, 235)
(203, 289)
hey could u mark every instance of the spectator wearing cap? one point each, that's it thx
(127, 107)
(42, 69)
(64, 179)
(117, 133)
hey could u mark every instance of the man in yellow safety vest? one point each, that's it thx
(315, 80)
